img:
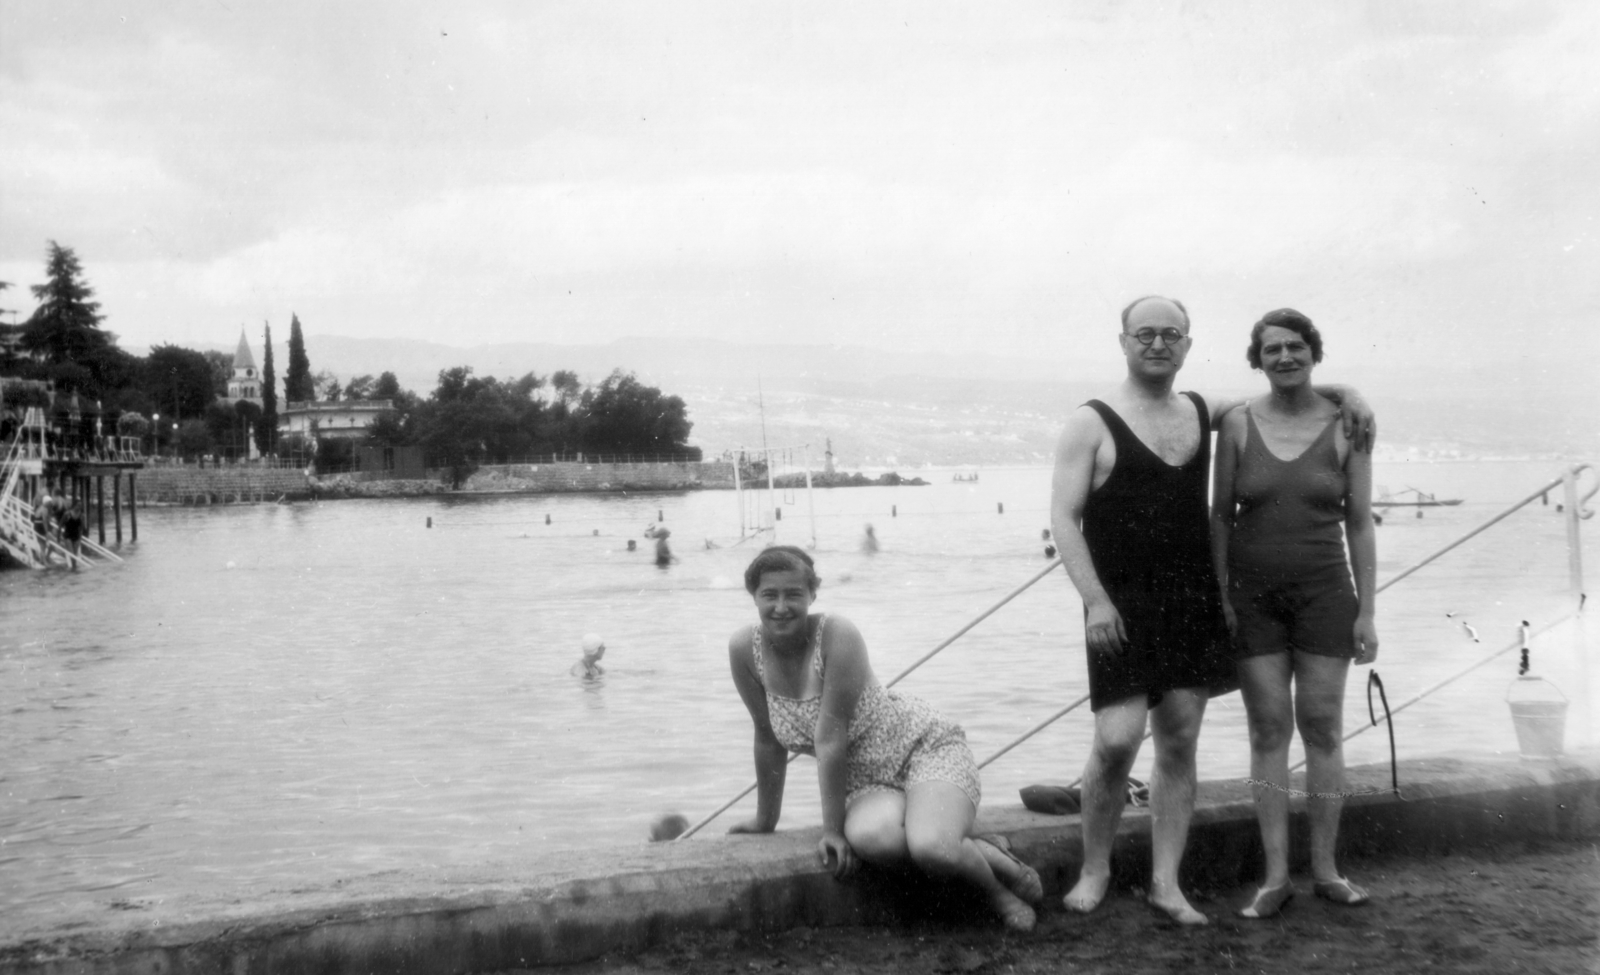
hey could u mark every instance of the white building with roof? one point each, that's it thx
(347, 419)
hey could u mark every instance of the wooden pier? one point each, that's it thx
(36, 466)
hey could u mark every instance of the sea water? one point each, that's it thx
(272, 696)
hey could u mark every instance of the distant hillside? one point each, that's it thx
(882, 408)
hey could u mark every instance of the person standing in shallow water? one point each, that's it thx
(1289, 494)
(589, 667)
(72, 533)
(898, 781)
(1129, 517)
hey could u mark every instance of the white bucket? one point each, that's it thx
(1540, 721)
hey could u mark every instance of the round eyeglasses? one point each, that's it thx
(1147, 336)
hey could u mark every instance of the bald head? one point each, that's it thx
(1152, 303)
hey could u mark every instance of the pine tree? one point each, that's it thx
(297, 387)
(66, 325)
(267, 427)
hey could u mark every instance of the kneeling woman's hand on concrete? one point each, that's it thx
(836, 854)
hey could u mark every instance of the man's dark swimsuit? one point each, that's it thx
(1149, 537)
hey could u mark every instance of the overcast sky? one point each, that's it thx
(1422, 178)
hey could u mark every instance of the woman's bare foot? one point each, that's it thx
(1018, 877)
(1016, 915)
(1087, 893)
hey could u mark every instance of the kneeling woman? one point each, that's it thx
(898, 781)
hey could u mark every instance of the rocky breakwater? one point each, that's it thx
(841, 479)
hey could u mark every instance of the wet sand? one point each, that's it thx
(1526, 908)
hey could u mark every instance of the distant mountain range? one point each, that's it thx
(881, 408)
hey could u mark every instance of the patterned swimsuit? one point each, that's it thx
(895, 740)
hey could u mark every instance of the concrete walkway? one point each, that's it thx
(570, 905)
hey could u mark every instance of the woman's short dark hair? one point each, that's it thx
(781, 558)
(1293, 321)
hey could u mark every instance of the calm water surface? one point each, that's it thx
(273, 696)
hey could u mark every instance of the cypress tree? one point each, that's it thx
(267, 427)
(297, 386)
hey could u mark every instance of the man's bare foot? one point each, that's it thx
(1086, 894)
(1177, 908)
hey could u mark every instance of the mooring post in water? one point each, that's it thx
(133, 505)
(1587, 656)
(116, 505)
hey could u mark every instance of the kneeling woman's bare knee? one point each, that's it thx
(936, 853)
(938, 818)
(875, 826)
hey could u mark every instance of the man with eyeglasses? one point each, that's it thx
(1128, 511)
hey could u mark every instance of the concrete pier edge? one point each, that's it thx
(571, 906)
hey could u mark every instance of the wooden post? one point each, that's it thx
(100, 505)
(133, 504)
(116, 505)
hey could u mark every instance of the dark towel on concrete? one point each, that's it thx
(1067, 800)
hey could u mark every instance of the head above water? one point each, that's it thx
(781, 558)
(593, 646)
(1293, 321)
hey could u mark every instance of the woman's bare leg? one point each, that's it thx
(1319, 711)
(875, 827)
(1269, 706)
(938, 825)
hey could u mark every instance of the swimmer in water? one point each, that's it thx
(869, 541)
(593, 649)
(663, 551)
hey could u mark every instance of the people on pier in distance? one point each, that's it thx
(1290, 494)
(1129, 517)
(72, 532)
(44, 517)
(593, 649)
(898, 781)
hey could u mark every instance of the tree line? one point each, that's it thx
(465, 421)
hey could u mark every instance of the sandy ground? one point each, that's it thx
(1527, 909)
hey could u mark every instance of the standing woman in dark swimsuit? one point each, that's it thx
(1290, 494)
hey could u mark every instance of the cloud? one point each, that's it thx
(880, 174)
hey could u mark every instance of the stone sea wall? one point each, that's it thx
(538, 479)
(224, 485)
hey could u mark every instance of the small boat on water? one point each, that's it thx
(959, 477)
(1418, 499)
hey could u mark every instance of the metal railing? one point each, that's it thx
(1574, 510)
